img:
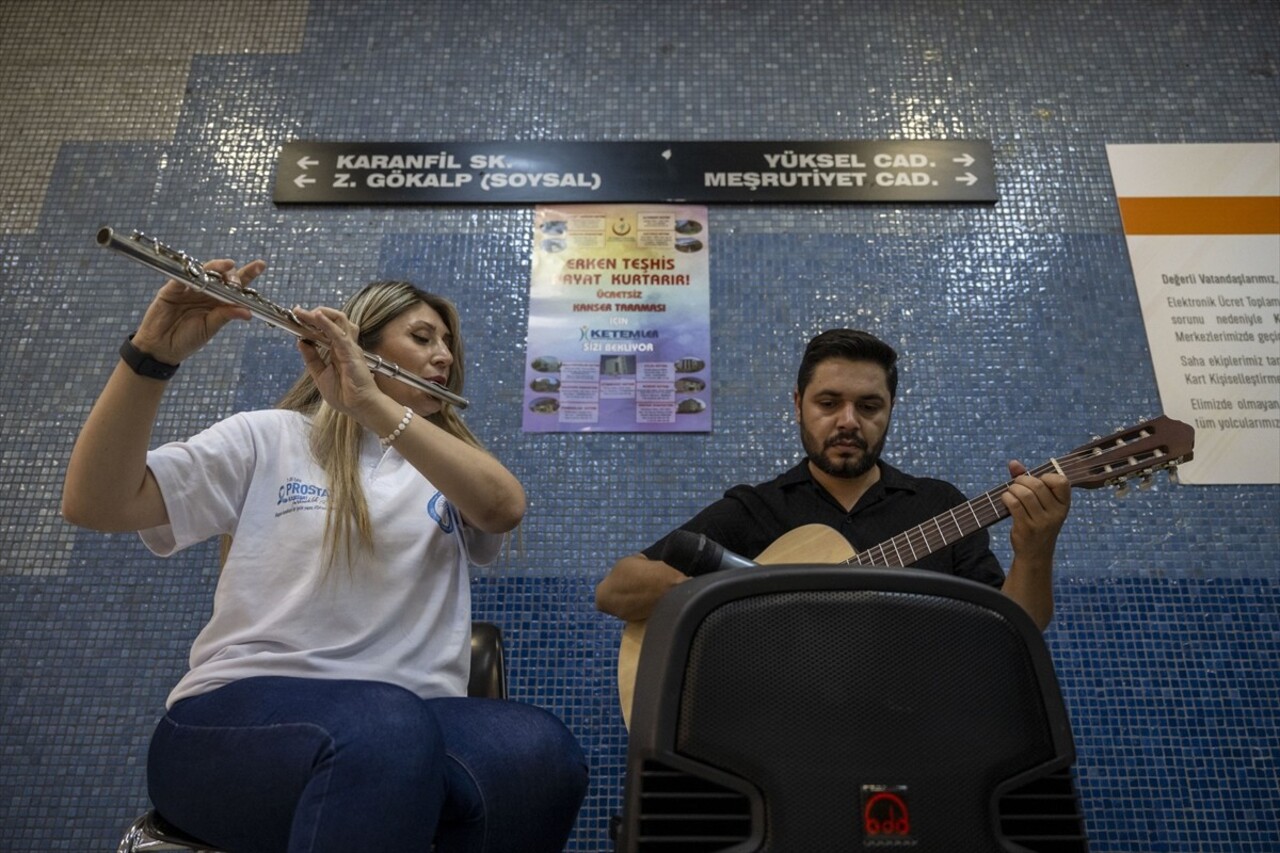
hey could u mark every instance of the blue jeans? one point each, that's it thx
(296, 764)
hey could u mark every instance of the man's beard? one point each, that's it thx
(849, 467)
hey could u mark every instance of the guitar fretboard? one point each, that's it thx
(910, 546)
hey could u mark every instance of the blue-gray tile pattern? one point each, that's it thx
(1018, 323)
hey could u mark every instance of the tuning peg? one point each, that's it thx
(1122, 491)
(1145, 482)
(1173, 474)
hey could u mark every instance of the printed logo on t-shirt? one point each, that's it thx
(296, 495)
(442, 511)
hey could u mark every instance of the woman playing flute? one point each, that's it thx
(325, 708)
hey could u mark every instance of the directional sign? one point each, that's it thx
(539, 172)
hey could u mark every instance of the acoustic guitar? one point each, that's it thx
(1138, 451)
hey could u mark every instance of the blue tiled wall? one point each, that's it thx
(1019, 326)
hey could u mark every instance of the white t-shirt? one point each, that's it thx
(399, 614)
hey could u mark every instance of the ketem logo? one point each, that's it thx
(886, 818)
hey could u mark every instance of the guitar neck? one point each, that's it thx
(910, 546)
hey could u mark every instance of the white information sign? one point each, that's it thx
(1202, 224)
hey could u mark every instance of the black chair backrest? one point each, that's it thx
(790, 708)
(488, 663)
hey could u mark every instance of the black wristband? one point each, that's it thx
(143, 364)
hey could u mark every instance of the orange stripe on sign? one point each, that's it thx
(1201, 215)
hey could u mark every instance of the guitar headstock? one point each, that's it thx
(1138, 451)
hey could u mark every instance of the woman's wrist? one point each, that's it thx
(390, 438)
(384, 417)
(142, 362)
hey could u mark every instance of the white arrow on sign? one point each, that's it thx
(967, 179)
(302, 180)
(966, 160)
(307, 162)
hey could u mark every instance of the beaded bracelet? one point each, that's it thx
(385, 441)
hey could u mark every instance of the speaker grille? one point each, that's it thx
(1044, 816)
(681, 811)
(813, 696)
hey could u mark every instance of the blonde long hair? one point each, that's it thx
(336, 438)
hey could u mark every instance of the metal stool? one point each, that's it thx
(151, 832)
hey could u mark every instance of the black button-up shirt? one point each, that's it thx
(749, 518)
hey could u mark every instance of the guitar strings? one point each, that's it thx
(919, 541)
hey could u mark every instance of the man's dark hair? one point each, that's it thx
(851, 345)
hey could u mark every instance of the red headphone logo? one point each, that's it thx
(884, 812)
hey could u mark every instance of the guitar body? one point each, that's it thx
(809, 543)
(1137, 451)
(628, 661)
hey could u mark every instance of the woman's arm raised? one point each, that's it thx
(107, 485)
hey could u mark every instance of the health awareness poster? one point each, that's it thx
(619, 320)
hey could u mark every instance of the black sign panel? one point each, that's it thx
(583, 172)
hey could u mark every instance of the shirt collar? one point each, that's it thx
(891, 480)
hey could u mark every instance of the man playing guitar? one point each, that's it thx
(844, 400)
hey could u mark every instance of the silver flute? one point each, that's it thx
(182, 267)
